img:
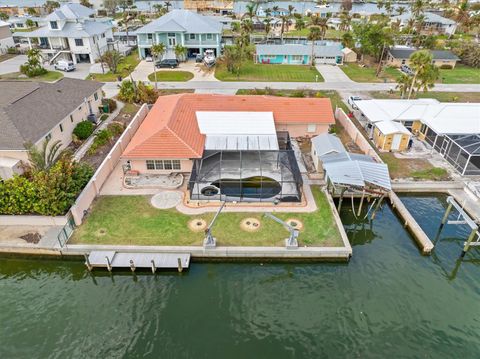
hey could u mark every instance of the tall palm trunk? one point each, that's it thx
(413, 83)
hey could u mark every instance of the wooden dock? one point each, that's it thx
(134, 260)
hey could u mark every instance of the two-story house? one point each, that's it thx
(432, 23)
(194, 31)
(72, 33)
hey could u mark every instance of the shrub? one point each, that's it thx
(116, 128)
(12, 50)
(127, 92)
(83, 130)
(32, 71)
(143, 94)
(112, 104)
(446, 67)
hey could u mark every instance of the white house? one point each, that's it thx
(6, 39)
(72, 33)
(432, 23)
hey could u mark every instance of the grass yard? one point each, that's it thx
(130, 60)
(132, 220)
(416, 168)
(461, 74)
(440, 96)
(367, 74)
(171, 76)
(50, 76)
(274, 73)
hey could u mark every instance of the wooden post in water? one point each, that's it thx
(341, 199)
(377, 206)
(109, 265)
(153, 267)
(87, 262)
(180, 267)
(361, 203)
(469, 241)
(442, 223)
(132, 266)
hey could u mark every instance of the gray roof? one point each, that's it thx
(86, 28)
(430, 17)
(183, 21)
(29, 110)
(70, 11)
(299, 49)
(327, 143)
(404, 53)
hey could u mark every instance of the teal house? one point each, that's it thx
(181, 27)
(299, 54)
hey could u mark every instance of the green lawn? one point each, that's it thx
(461, 74)
(416, 168)
(50, 76)
(132, 220)
(122, 71)
(440, 96)
(171, 76)
(274, 73)
(367, 74)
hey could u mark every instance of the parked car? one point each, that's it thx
(64, 65)
(148, 59)
(351, 101)
(198, 58)
(172, 63)
(406, 69)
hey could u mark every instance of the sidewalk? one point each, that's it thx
(82, 150)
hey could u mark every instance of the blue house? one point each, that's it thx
(299, 54)
(181, 27)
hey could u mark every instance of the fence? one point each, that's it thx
(91, 190)
(355, 134)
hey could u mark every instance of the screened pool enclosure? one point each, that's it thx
(461, 151)
(247, 175)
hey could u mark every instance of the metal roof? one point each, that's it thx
(70, 11)
(299, 49)
(245, 142)
(404, 53)
(390, 127)
(86, 28)
(430, 17)
(327, 143)
(358, 173)
(235, 123)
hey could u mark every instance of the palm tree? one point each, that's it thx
(418, 7)
(250, 12)
(314, 35)
(404, 83)
(346, 19)
(45, 157)
(347, 40)
(236, 28)
(321, 23)
(299, 26)
(167, 5)
(157, 52)
(268, 12)
(420, 62)
(180, 51)
(401, 10)
(285, 19)
(268, 26)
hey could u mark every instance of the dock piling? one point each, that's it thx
(361, 203)
(132, 266)
(87, 262)
(180, 267)
(377, 207)
(469, 241)
(109, 265)
(153, 267)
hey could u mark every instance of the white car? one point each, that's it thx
(64, 65)
(148, 59)
(351, 101)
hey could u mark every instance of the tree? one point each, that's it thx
(314, 35)
(347, 40)
(347, 5)
(110, 6)
(45, 157)
(236, 28)
(167, 5)
(33, 67)
(180, 52)
(321, 23)
(299, 26)
(401, 10)
(372, 38)
(285, 19)
(469, 53)
(346, 19)
(157, 52)
(127, 17)
(268, 26)
(250, 12)
(50, 5)
(4, 16)
(32, 11)
(423, 70)
(112, 58)
(232, 58)
(142, 18)
(86, 3)
(404, 83)
(418, 7)
(29, 23)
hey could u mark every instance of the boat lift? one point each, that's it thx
(463, 218)
(291, 242)
(210, 241)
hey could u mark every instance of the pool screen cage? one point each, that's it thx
(247, 175)
(461, 151)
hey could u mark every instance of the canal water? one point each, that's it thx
(389, 301)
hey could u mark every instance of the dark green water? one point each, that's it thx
(388, 302)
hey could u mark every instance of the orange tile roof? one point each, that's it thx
(170, 129)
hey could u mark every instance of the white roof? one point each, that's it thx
(237, 130)
(390, 127)
(327, 143)
(86, 28)
(70, 11)
(358, 173)
(383, 110)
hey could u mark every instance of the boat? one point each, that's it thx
(209, 58)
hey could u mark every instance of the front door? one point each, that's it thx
(397, 138)
(444, 148)
(172, 40)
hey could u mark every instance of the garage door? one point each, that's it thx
(325, 60)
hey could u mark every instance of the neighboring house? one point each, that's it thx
(391, 136)
(325, 144)
(73, 34)
(19, 22)
(179, 128)
(433, 23)
(6, 39)
(181, 27)
(298, 54)
(398, 56)
(31, 112)
(273, 13)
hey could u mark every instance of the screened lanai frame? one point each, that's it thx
(247, 175)
(461, 151)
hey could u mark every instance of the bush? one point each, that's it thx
(446, 67)
(112, 104)
(83, 130)
(12, 50)
(144, 93)
(127, 92)
(32, 71)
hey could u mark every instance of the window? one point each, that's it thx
(48, 137)
(53, 25)
(297, 57)
(171, 34)
(163, 165)
(269, 57)
(311, 127)
(78, 42)
(192, 36)
(95, 96)
(61, 127)
(150, 36)
(71, 118)
(209, 36)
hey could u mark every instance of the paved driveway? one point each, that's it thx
(12, 65)
(332, 73)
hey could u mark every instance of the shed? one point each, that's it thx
(391, 136)
(323, 145)
(349, 55)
